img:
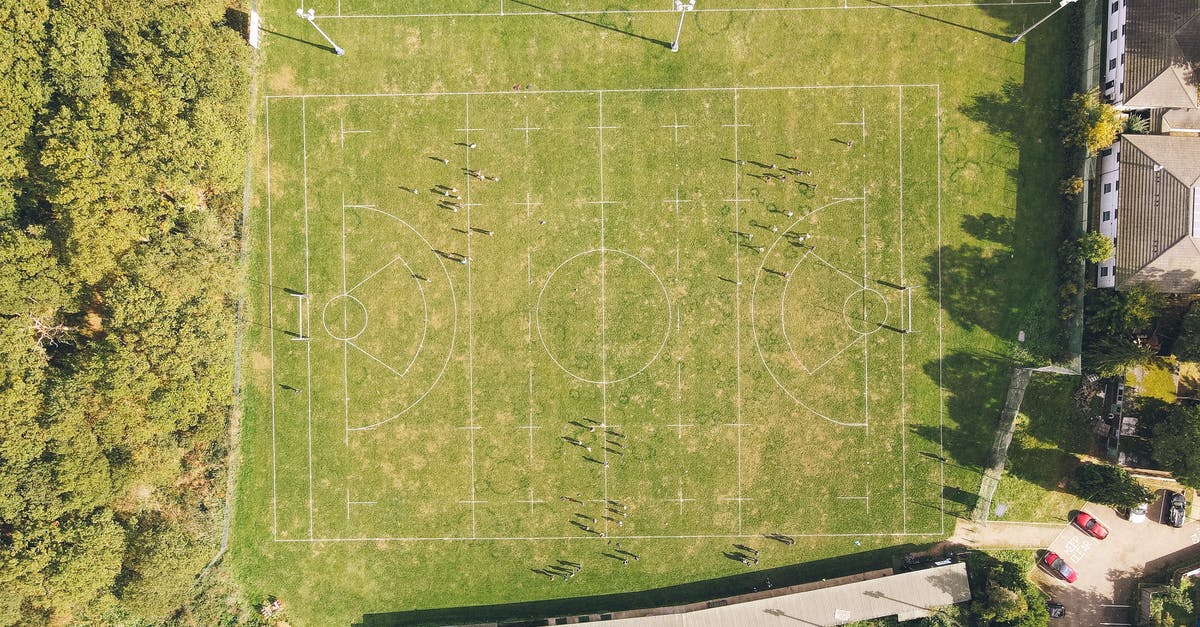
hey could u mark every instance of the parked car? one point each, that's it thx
(1059, 566)
(1138, 513)
(1056, 610)
(1177, 513)
(1090, 525)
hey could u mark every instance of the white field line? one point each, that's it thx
(603, 313)
(372, 275)
(271, 331)
(866, 343)
(638, 90)
(593, 538)
(307, 294)
(345, 333)
(470, 322)
(903, 389)
(941, 388)
(676, 126)
(844, 6)
(737, 301)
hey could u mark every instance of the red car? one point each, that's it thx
(1059, 566)
(1089, 524)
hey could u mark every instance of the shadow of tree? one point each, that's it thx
(1003, 111)
(974, 384)
(990, 227)
(973, 284)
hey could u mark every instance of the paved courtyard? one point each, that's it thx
(1110, 569)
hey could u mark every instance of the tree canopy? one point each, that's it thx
(1175, 440)
(1090, 123)
(1110, 485)
(122, 143)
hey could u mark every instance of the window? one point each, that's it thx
(1108, 188)
(1107, 216)
(1116, 5)
(1106, 152)
(1110, 85)
(1122, 58)
(1114, 218)
(1113, 37)
(1118, 183)
(1103, 270)
(1112, 64)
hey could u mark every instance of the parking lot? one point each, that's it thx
(1109, 570)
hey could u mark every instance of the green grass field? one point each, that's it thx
(613, 296)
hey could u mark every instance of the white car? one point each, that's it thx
(1138, 514)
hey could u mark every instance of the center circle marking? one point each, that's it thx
(347, 308)
(603, 380)
(864, 324)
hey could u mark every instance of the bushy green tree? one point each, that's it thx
(1004, 596)
(1112, 356)
(122, 143)
(1089, 123)
(1091, 247)
(1109, 485)
(1187, 345)
(1175, 443)
(160, 568)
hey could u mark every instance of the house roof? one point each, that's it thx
(907, 595)
(1159, 178)
(1162, 53)
(1181, 120)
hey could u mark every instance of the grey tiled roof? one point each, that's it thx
(1162, 53)
(1154, 227)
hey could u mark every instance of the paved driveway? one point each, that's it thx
(1109, 570)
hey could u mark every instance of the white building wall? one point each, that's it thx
(1113, 88)
(1114, 55)
(1109, 187)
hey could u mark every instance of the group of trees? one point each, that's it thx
(1090, 123)
(1001, 595)
(122, 143)
(1116, 320)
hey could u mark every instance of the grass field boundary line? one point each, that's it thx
(271, 325)
(307, 293)
(603, 311)
(866, 344)
(345, 333)
(843, 7)
(737, 297)
(470, 322)
(629, 90)
(903, 383)
(594, 538)
(941, 346)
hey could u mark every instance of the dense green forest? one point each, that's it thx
(123, 133)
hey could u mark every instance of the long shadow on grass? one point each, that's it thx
(974, 384)
(941, 21)
(714, 589)
(665, 44)
(1010, 285)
